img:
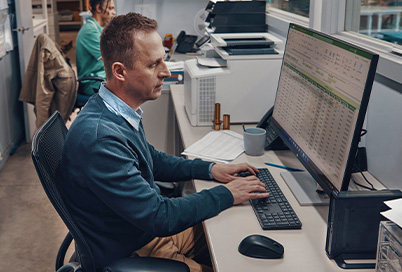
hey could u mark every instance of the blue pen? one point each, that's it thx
(284, 167)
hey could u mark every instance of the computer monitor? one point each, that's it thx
(320, 105)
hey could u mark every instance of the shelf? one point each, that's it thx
(76, 7)
(39, 23)
(70, 23)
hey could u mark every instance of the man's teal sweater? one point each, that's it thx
(109, 171)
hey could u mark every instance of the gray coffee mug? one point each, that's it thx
(254, 141)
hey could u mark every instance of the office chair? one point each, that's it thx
(82, 99)
(47, 147)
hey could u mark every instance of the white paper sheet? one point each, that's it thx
(223, 146)
(395, 213)
(8, 36)
(211, 62)
(3, 4)
(3, 17)
(175, 66)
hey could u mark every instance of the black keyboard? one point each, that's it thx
(273, 212)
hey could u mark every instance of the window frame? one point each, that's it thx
(329, 16)
(278, 21)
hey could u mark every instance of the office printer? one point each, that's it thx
(245, 85)
(236, 16)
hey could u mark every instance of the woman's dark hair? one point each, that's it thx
(94, 3)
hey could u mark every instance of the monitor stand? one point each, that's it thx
(304, 187)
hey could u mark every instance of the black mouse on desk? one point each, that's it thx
(259, 246)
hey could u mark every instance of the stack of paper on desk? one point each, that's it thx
(395, 213)
(175, 66)
(223, 146)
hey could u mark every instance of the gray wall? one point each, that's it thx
(384, 132)
(171, 15)
(11, 113)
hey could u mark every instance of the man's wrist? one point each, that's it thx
(210, 170)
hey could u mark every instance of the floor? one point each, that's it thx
(30, 229)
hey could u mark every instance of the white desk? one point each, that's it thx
(304, 249)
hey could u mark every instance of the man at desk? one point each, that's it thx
(88, 55)
(110, 189)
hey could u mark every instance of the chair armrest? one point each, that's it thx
(70, 267)
(94, 78)
(146, 264)
(61, 254)
(88, 78)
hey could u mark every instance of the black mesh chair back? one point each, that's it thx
(47, 148)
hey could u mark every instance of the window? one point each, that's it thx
(380, 19)
(300, 7)
(344, 19)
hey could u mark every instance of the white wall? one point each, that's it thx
(171, 15)
(384, 133)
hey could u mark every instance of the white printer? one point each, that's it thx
(245, 86)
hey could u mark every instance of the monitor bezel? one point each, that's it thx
(314, 171)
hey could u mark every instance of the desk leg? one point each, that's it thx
(177, 140)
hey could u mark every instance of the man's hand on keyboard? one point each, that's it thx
(227, 172)
(245, 188)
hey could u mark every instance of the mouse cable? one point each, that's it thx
(361, 185)
(361, 172)
(371, 188)
(362, 133)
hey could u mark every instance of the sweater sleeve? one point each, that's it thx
(115, 177)
(172, 168)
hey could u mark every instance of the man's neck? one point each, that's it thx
(118, 91)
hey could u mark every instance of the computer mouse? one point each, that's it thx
(259, 246)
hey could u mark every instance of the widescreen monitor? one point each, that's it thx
(321, 101)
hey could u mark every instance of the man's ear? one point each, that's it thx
(119, 71)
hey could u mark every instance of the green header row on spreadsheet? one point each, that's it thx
(342, 45)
